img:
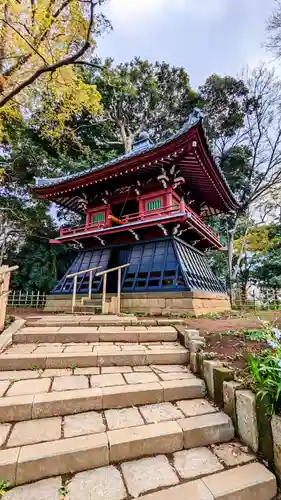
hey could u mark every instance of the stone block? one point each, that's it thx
(247, 418)
(140, 378)
(176, 376)
(117, 336)
(229, 398)
(4, 384)
(90, 422)
(195, 407)
(183, 389)
(18, 375)
(122, 358)
(148, 474)
(118, 369)
(107, 380)
(195, 463)
(200, 357)
(264, 428)
(150, 439)
(123, 417)
(66, 403)
(168, 356)
(71, 382)
(102, 484)
(153, 335)
(47, 489)
(208, 370)
(170, 368)
(193, 362)
(246, 482)
(60, 457)
(8, 464)
(221, 375)
(65, 360)
(160, 412)
(21, 361)
(206, 429)
(196, 345)
(232, 454)
(131, 395)
(33, 386)
(35, 431)
(4, 431)
(276, 434)
(16, 408)
(195, 490)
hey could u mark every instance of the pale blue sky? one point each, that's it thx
(203, 36)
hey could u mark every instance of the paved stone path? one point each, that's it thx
(78, 423)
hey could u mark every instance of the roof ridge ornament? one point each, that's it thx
(143, 141)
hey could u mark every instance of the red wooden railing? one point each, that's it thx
(169, 211)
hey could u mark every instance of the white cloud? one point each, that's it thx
(130, 12)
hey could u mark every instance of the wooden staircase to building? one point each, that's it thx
(97, 408)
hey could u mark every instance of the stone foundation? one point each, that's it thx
(154, 303)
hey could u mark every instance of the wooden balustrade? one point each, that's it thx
(104, 274)
(75, 276)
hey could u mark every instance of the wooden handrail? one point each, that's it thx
(104, 274)
(83, 272)
(5, 275)
(112, 269)
(5, 269)
(75, 276)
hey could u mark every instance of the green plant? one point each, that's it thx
(36, 368)
(265, 369)
(4, 485)
(63, 491)
(254, 335)
(73, 367)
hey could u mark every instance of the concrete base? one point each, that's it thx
(154, 303)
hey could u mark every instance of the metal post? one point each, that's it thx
(31, 300)
(90, 284)
(26, 297)
(74, 293)
(119, 292)
(19, 298)
(13, 298)
(104, 292)
(37, 299)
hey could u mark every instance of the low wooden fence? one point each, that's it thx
(26, 299)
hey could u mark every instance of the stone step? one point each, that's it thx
(52, 334)
(23, 464)
(98, 320)
(66, 402)
(167, 480)
(53, 357)
(242, 483)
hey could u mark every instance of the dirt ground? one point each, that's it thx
(247, 321)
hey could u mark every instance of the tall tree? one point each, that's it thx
(258, 146)
(274, 30)
(41, 44)
(139, 94)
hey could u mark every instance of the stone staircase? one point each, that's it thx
(96, 408)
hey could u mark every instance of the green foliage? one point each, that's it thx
(224, 99)
(265, 368)
(63, 492)
(73, 367)
(140, 94)
(4, 485)
(257, 335)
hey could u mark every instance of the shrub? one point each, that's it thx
(265, 369)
